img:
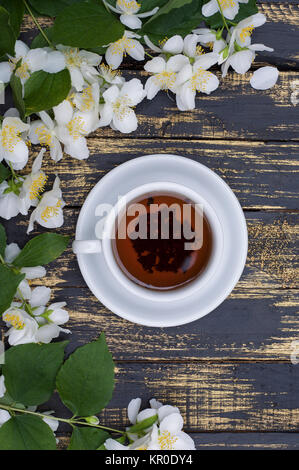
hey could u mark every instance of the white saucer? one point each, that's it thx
(196, 176)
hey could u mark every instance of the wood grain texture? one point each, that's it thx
(212, 397)
(262, 175)
(232, 441)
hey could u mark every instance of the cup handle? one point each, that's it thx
(87, 246)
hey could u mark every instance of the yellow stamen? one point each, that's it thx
(72, 57)
(44, 136)
(37, 186)
(15, 320)
(76, 127)
(123, 45)
(165, 80)
(246, 32)
(121, 107)
(51, 211)
(227, 3)
(87, 99)
(10, 137)
(200, 50)
(200, 79)
(163, 41)
(167, 440)
(128, 4)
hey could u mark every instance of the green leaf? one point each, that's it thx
(2, 240)
(245, 10)
(144, 424)
(51, 7)
(85, 381)
(26, 432)
(15, 9)
(7, 36)
(30, 371)
(86, 26)
(87, 438)
(39, 40)
(4, 172)
(9, 281)
(176, 17)
(41, 250)
(45, 90)
(17, 94)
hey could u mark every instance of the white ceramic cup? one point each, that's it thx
(105, 245)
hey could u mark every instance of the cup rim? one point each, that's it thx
(182, 291)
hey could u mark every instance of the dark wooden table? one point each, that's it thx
(230, 372)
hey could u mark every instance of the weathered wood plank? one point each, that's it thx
(258, 321)
(211, 397)
(231, 441)
(283, 17)
(261, 175)
(272, 258)
(251, 325)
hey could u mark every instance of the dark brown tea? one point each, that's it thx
(157, 262)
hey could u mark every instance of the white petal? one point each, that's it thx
(77, 148)
(114, 56)
(2, 386)
(264, 78)
(133, 409)
(167, 410)
(55, 62)
(63, 112)
(12, 112)
(56, 150)
(151, 87)
(5, 72)
(53, 424)
(36, 59)
(76, 78)
(172, 423)
(111, 94)
(231, 11)
(147, 413)
(150, 44)
(210, 8)
(135, 50)
(19, 156)
(4, 416)
(176, 63)
(174, 45)
(21, 49)
(106, 113)
(155, 65)
(185, 97)
(112, 444)
(11, 252)
(209, 83)
(35, 272)
(155, 404)
(24, 289)
(206, 61)
(9, 206)
(126, 124)
(133, 89)
(190, 43)
(40, 296)
(59, 316)
(131, 21)
(46, 333)
(184, 75)
(183, 442)
(46, 120)
(91, 58)
(241, 61)
(260, 47)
